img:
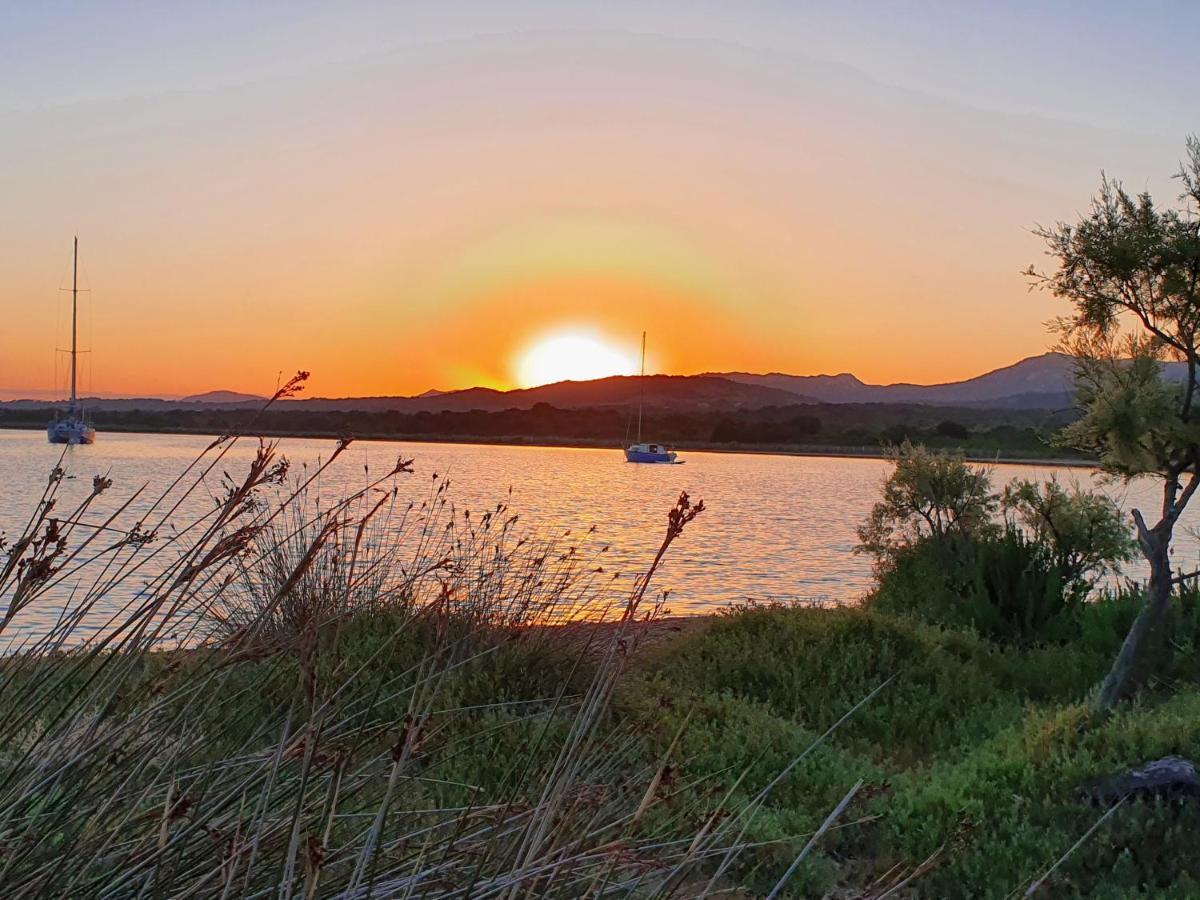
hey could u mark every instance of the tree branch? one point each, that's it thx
(1144, 537)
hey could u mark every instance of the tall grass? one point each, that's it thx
(299, 696)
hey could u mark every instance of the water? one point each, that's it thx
(776, 527)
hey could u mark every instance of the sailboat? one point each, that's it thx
(72, 428)
(639, 451)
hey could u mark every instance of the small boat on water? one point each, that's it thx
(71, 426)
(649, 453)
(640, 451)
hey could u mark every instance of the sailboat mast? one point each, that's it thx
(642, 386)
(74, 315)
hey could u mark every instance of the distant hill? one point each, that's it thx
(223, 397)
(671, 392)
(1039, 382)
(676, 392)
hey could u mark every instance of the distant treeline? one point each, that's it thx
(859, 425)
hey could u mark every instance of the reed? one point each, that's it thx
(297, 695)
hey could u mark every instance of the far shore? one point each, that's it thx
(998, 457)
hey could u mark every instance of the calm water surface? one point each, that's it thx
(777, 527)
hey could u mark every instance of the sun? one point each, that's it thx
(572, 356)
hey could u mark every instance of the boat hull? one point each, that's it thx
(70, 431)
(634, 455)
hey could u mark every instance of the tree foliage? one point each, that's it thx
(937, 528)
(1132, 420)
(1131, 271)
(1085, 531)
(928, 495)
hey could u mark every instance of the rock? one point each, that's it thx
(1170, 778)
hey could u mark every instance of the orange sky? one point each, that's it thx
(411, 219)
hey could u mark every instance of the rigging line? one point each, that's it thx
(91, 321)
(59, 327)
(57, 334)
(87, 278)
(642, 387)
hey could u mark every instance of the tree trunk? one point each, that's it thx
(1146, 632)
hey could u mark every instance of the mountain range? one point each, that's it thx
(1044, 381)
(1038, 382)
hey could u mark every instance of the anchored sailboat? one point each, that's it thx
(72, 428)
(640, 452)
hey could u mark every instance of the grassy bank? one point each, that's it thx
(972, 755)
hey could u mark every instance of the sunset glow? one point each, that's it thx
(572, 356)
(384, 196)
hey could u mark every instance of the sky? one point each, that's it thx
(405, 196)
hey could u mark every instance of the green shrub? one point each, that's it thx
(975, 746)
(1015, 589)
(1087, 532)
(1008, 810)
(1105, 620)
(928, 496)
(810, 666)
(1006, 587)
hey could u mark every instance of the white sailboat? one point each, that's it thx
(72, 428)
(644, 452)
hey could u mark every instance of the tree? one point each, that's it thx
(727, 431)
(1085, 531)
(954, 430)
(928, 495)
(894, 435)
(1131, 271)
(801, 427)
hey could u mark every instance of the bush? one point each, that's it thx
(928, 495)
(974, 747)
(722, 748)
(1006, 587)
(1086, 531)
(812, 666)
(1015, 589)
(942, 555)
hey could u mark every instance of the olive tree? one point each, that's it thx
(1131, 271)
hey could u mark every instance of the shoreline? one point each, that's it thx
(996, 457)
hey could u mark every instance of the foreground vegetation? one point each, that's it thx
(974, 756)
(367, 695)
(387, 697)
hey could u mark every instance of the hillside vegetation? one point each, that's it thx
(806, 427)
